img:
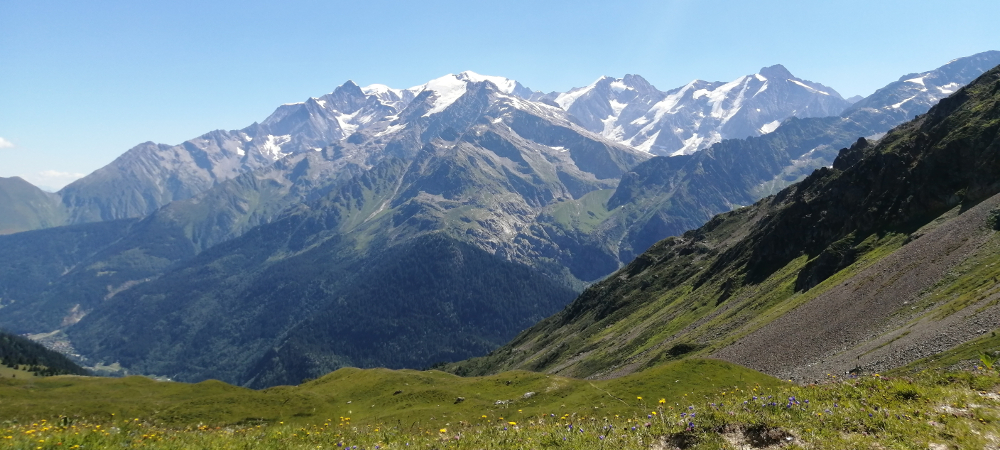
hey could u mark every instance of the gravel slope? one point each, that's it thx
(870, 321)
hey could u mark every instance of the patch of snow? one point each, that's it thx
(272, 147)
(640, 121)
(611, 129)
(919, 80)
(760, 77)
(566, 99)
(619, 86)
(292, 104)
(718, 97)
(647, 145)
(690, 145)
(345, 123)
(558, 148)
(248, 138)
(322, 103)
(617, 107)
(875, 137)
(498, 120)
(381, 91)
(240, 151)
(668, 104)
(762, 89)
(390, 129)
(387, 95)
(949, 88)
(696, 142)
(769, 127)
(898, 105)
(447, 90)
(506, 85)
(810, 88)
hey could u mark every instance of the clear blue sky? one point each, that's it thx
(83, 81)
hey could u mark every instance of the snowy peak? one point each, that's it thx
(505, 85)
(394, 98)
(449, 88)
(445, 91)
(346, 98)
(915, 93)
(633, 112)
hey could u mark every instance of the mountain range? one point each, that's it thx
(375, 226)
(684, 120)
(887, 257)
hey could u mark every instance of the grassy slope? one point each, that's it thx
(427, 398)
(27, 207)
(646, 327)
(20, 372)
(704, 405)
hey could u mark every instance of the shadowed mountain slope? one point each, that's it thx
(26, 207)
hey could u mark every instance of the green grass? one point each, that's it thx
(425, 398)
(970, 282)
(709, 407)
(21, 372)
(585, 213)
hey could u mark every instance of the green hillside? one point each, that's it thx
(26, 207)
(368, 395)
(696, 404)
(22, 358)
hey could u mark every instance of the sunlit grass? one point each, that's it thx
(960, 409)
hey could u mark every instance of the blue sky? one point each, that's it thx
(82, 82)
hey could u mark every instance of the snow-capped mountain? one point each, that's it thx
(692, 117)
(915, 93)
(151, 175)
(628, 111)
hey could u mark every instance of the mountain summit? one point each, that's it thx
(687, 119)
